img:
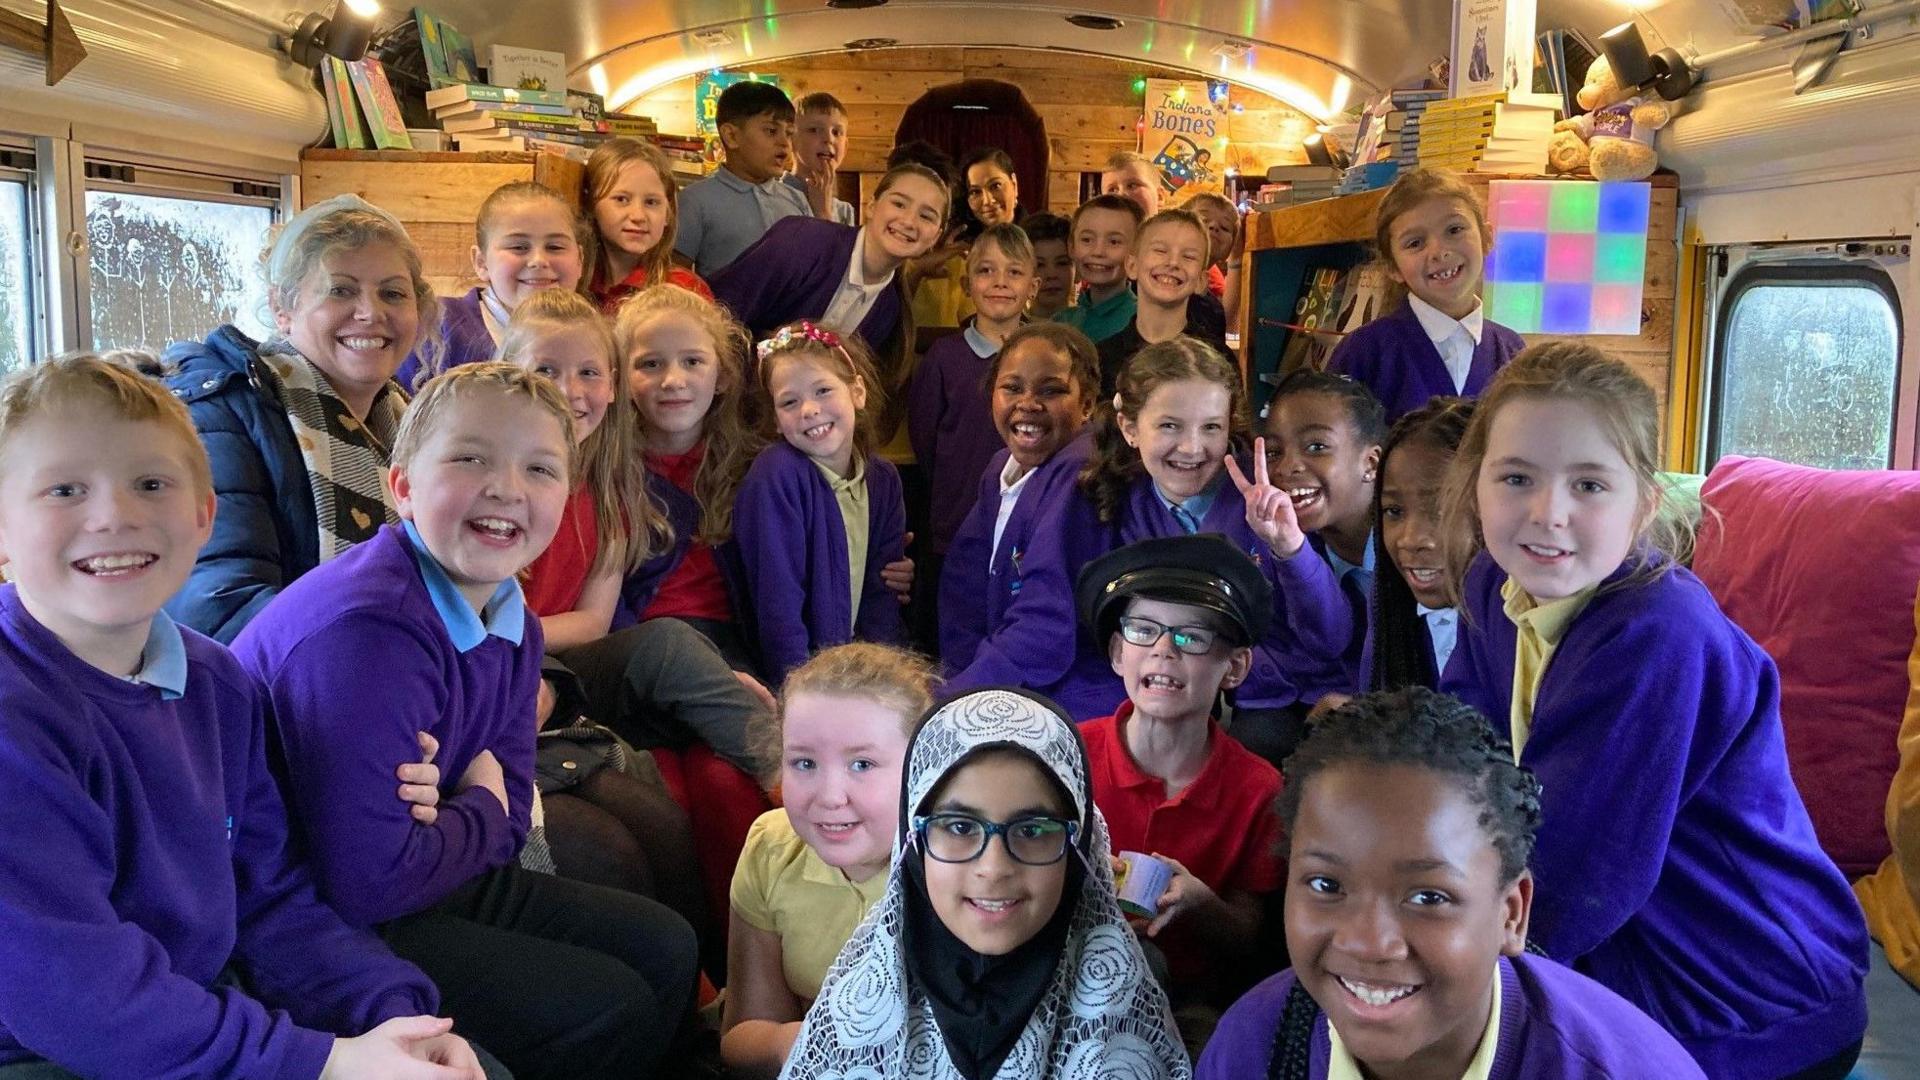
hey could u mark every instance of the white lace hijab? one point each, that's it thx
(1102, 1016)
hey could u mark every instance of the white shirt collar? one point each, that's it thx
(1441, 326)
(1445, 613)
(856, 273)
(1008, 487)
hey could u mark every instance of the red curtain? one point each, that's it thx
(962, 117)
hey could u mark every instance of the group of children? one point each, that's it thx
(634, 504)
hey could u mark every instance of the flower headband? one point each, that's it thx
(796, 335)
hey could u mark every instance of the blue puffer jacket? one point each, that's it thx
(265, 533)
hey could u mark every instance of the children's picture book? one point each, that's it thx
(448, 96)
(481, 108)
(526, 69)
(1366, 298)
(589, 105)
(338, 80)
(447, 51)
(1312, 337)
(385, 127)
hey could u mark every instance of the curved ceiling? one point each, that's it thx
(1319, 55)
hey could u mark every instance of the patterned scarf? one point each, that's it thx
(1101, 1016)
(346, 458)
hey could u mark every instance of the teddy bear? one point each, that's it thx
(1614, 139)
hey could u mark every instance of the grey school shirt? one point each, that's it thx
(722, 215)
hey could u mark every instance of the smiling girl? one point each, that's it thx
(1158, 467)
(1433, 237)
(845, 279)
(1678, 862)
(1413, 623)
(635, 206)
(811, 870)
(1409, 829)
(819, 513)
(998, 947)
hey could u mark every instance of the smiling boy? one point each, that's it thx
(1180, 615)
(1166, 264)
(1102, 235)
(819, 146)
(423, 628)
(146, 850)
(723, 214)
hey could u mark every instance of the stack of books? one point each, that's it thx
(1404, 123)
(1291, 185)
(687, 153)
(1454, 132)
(1521, 134)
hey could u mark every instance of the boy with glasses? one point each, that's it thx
(1180, 615)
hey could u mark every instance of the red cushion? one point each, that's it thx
(1820, 568)
(729, 801)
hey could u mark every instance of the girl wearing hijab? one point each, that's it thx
(998, 949)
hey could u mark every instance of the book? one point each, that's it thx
(589, 105)
(474, 108)
(526, 69)
(447, 51)
(330, 90)
(427, 138)
(631, 126)
(386, 129)
(1295, 173)
(339, 82)
(531, 121)
(1366, 298)
(445, 96)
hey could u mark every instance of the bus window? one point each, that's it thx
(166, 268)
(1807, 367)
(16, 262)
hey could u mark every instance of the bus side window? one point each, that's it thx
(166, 268)
(1806, 367)
(16, 263)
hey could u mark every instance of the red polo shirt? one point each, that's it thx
(1222, 828)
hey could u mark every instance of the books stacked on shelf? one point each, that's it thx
(1518, 143)
(688, 153)
(1454, 132)
(1291, 185)
(1367, 176)
(1408, 107)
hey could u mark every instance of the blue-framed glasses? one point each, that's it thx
(961, 838)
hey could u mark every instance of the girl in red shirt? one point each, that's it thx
(635, 204)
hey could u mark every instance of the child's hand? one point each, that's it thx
(898, 575)
(759, 691)
(404, 1048)
(821, 181)
(420, 782)
(484, 772)
(544, 704)
(1327, 703)
(1185, 894)
(1269, 510)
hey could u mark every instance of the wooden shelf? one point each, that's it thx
(422, 157)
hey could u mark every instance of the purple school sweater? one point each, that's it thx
(356, 662)
(950, 423)
(788, 557)
(978, 585)
(1396, 359)
(146, 850)
(792, 273)
(1312, 618)
(1675, 862)
(463, 338)
(1555, 1024)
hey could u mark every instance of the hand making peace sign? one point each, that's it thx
(1269, 510)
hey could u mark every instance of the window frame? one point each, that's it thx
(1835, 271)
(27, 174)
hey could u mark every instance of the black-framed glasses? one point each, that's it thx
(1196, 640)
(961, 838)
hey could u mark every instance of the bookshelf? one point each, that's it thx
(435, 194)
(1283, 247)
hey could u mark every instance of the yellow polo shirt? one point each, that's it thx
(851, 493)
(1342, 1066)
(1541, 627)
(780, 885)
(1891, 894)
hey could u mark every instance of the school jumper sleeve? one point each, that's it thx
(58, 924)
(963, 575)
(771, 504)
(879, 617)
(374, 861)
(927, 403)
(789, 273)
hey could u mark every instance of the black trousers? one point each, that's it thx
(558, 979)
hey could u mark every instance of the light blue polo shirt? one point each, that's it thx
(504, 615)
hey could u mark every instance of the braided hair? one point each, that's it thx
(1363, 408)
(1400, 656)
(1417, 726)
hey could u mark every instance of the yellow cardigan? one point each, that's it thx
(1891, 894)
